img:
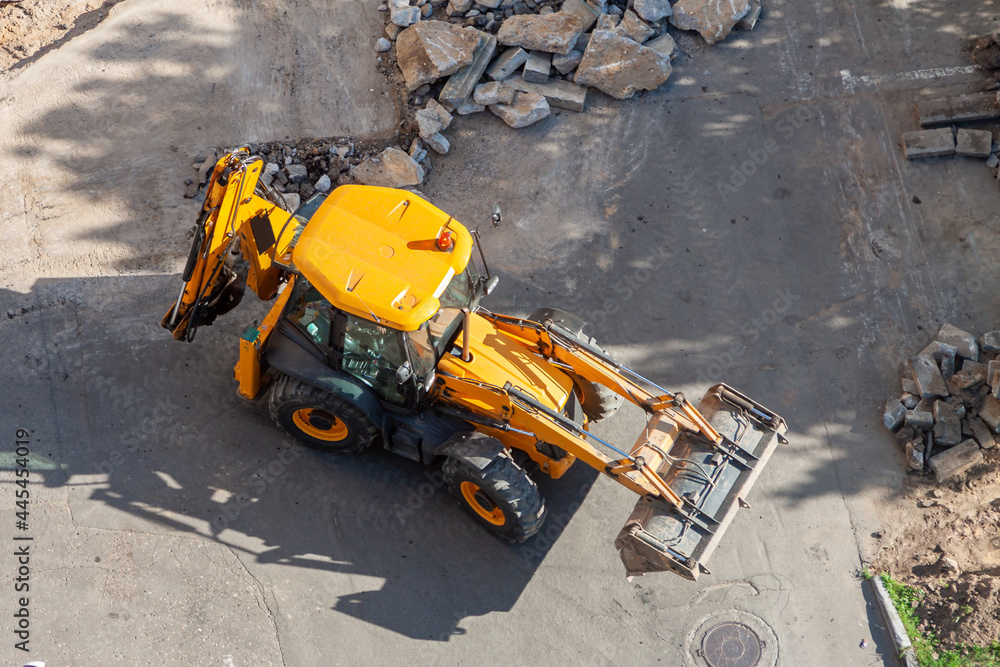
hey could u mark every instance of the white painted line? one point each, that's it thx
(851, 81)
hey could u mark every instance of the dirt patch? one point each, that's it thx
(30, 27)
(941, 527)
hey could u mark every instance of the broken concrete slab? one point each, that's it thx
(749, 20)
(537, 67)
(559, 94)
(927, 375)
(634, 28)
(920, 419)
(606, 22)
(392, 168)
(552, 33)
(947, 424)
(404, 16)
(939, 350)
(432, 119)
(619, 67)
(990, 342)
(664, 44)
(430, 50)
(973, 143)
(989, 412)
(494, 92)
(652, 10)
(963, 341)
(568, 63)
(922, 144)
(469, 107)
(956, 460)
(584, 12)
(958, 109)
(713, 19)
(507, 63)
(527, 108)
(895, 414)
(459, 87)
(437, 142)
(982, 434)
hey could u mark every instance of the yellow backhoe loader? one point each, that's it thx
(377, 334)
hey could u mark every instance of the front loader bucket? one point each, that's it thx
(713, 482)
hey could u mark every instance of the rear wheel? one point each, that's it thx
(501, 497)
(319, 419)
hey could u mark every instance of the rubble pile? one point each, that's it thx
(520, 58)
(949, 411)
(300, 169)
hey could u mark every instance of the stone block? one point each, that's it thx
(895, 414)
(958, 109)
(583, 11)
(956, 460)
(568, 63)
(749, 20)
(928, 377)
(947, 424)
(990, 342)
(297, 173)
(618, 66)
(494, 92)
(664, 44)
(982, 433)
(430, 50)
(909, 386)
(526, 109)
(392, 168)
(432, 119)
(437, 142)
(552, 33)
(973, 143)
(606, 22)
(405, 16)
(537, 67)
(989, 412)
(469, 107)
(919, 419)
(634, 28)
(964, 342)
(909, 400)
(461, 84)
(652, 10)
(928, 143)
(507, 63)
(559, 94)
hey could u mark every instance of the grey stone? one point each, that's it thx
(981, 432)
(920, 419)
(568, 63)
(990, 342)
(947, 424)
(975, 369)
(993, 375)
(383, 45)
(459, 87)
(992, 161)
(713, 19)
(297, 173)
(619, 67)
(292, 199)
(426, 11)
(323, 184)
(507, 63)
(559, 94)
(928, 377)
(928, 143)
(430, 50)
(490, 4)
(469, 107)
(459, 7)
(606, 22)
(527, 108)
(432, 119)
(652, 10)
(392, 168)
(536, 69)
(963, 341)
(973, 143)
(582, 41)
(438, 143)
(956, 460)
(615, 10)
(914, 456)
(939, 350)
(894, 415)
(634, 28)
(909, 386)
(909, 400)
(405, 16)
(553, 33)
(664, 44)
(989, 412)
(392, 31)
(749, 20)
(584, 12)
(494, 92)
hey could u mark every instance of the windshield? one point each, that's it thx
(430, 341)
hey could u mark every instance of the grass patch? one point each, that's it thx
(925, 644)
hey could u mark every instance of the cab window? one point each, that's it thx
(312, 314)
(372, 353)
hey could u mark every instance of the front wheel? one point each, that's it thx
(319, 419)
(501, 497)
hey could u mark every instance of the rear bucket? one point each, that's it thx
(658, 537)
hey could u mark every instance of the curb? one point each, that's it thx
(904, 649)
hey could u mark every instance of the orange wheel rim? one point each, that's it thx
(482, 504)
(320, 424)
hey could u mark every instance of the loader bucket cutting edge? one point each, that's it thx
(657, 536)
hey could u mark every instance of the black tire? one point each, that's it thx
(503, 490)
(319, 419)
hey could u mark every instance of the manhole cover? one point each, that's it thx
(731, 645)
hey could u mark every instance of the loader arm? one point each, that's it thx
(690, 470)
(242, 239)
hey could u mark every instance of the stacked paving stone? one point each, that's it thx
(949, 410)
(520, 58)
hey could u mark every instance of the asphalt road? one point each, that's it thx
(173, 524)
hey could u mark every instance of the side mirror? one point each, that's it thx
(497, 218)
(404, 373)
(490, 285)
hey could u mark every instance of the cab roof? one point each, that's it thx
(373, 251)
